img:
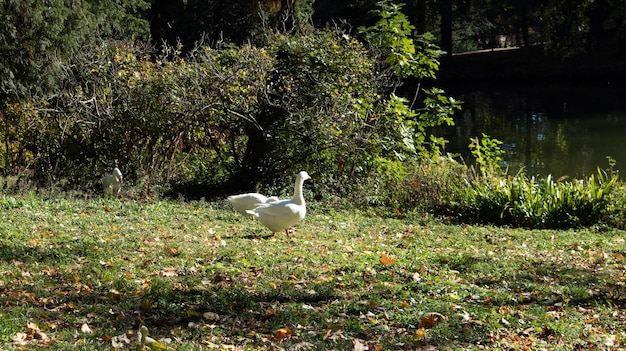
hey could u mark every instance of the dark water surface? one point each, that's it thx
(546, 129)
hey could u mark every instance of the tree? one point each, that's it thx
(36, 37)
(236, 21)
(445, 8)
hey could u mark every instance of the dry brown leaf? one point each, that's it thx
(419, 334)
(120, 341)
(431, 320)
(384, 259)
(211, 316)
(359, 346)
(20, 338)
(169, 272)
(284, 333)
(85, 328)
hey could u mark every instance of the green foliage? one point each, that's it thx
(230, 117)
(568, 30)
(494, 197)
(211, 116)
(430, 185)
(233, 116)
(487, 154)
(37, 37)
(401, 138)
(404, 56)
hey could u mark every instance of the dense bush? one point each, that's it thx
(229, 118)
(486, 194)
(543, 203)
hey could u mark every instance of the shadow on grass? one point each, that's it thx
(60, 253)
(541, 281)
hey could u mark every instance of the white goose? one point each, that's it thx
(112, 183)
(281, 215)
(243, 202)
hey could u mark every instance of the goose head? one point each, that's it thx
(118, 175)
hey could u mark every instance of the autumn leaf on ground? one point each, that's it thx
(20, 339)
(85, 328)
(419, 334)
(284, 333)
(359, 346)
(431, 320)
(169, 272)
(211, 316)
(120, 341)
(34, 335)
(384, 259)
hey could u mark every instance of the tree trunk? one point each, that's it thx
(523, 23)
(417, 13)
(445, 10)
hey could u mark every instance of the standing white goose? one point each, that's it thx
(281, 215)
(243, 202)
(112, 183)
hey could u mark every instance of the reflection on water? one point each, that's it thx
(558, 130)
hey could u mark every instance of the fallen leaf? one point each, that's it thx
(302, 346)
(85, 328)
(211, 316)
(173, 251)
(169, 272)
(419, 334)
(384, 259)
(431, 320)
(359, 346)
(106, 264)
(284, 333)
(20, 338)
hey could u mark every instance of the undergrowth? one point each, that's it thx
(485, 193)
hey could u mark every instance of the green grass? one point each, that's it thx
(86, 274)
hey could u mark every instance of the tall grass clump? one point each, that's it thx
(429, 185)
(489, 195)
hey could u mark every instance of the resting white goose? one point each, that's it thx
(243, 202)
(281, 215)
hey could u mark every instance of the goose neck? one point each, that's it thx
(297, 192)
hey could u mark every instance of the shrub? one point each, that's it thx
(230, 118)
(434, 183)
(519, 200)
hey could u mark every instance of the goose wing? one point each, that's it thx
(277, 209)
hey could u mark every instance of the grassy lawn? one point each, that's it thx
(86, 274)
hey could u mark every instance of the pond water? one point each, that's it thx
(563, 130)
